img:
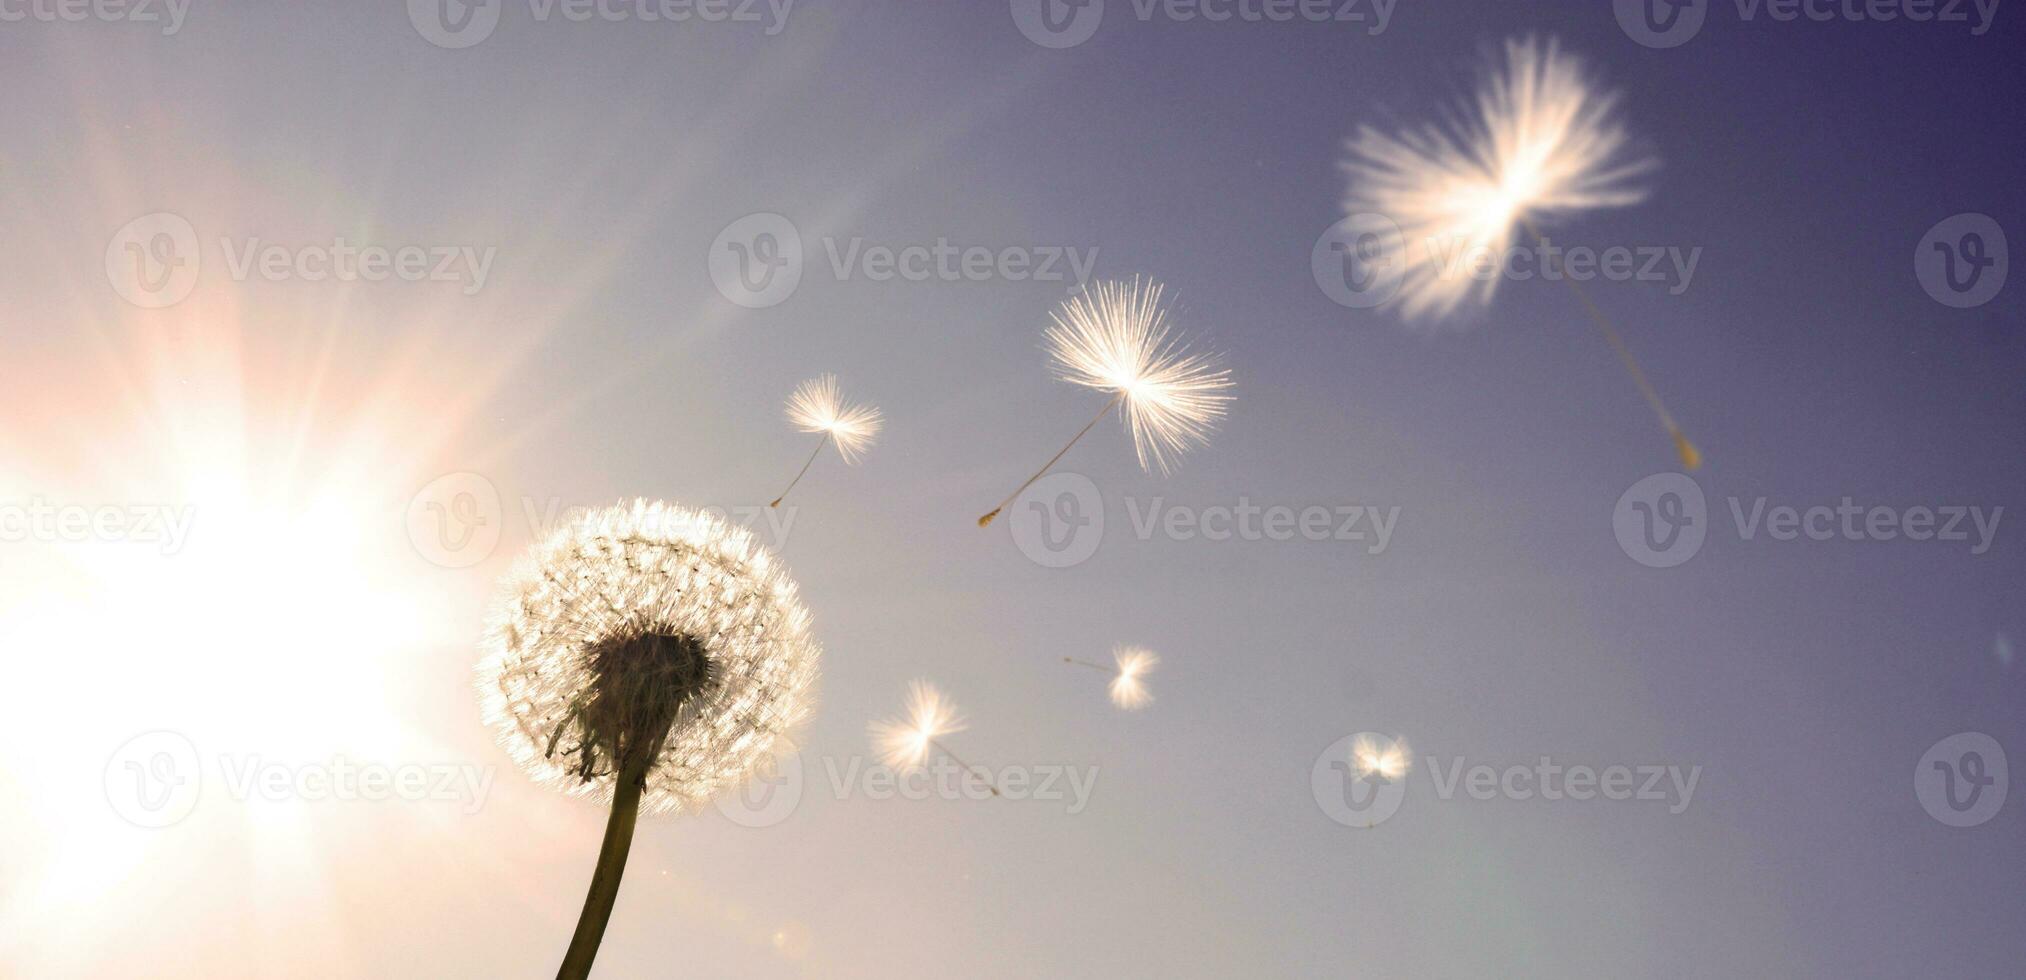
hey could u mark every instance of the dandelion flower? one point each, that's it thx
(1114, 337)
(1539, 142)
(647, 656)
(905, 744)
(817, 406)
(1132, 664)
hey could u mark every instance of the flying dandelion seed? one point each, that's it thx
(1114, 337)
(930, 716)
(1540, 142)
(647, 656)
(817, 406)
(1132, 664)
(1389, 760)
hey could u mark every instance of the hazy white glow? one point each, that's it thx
(1388, 759)
(1538, 142)
(818, 406)
(1114, 337)
(930, 715)
(1128, 689)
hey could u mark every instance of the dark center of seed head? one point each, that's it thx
(639, 684)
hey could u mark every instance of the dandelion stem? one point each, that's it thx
(987, 519)
(967, 767)
(612, 853)
(1100, 668)
(820, 443)
(1691, 458)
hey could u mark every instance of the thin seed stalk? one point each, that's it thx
(820, 443)
(1015, 495)
(967, 767)
(1691, 457)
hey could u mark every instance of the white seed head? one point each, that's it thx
(930, 715)
(1388, 759)
(649, 569)
(817, 406)
(1539, 141)
(1114, 337)
(1129, 689)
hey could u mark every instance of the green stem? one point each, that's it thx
(605, 879)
